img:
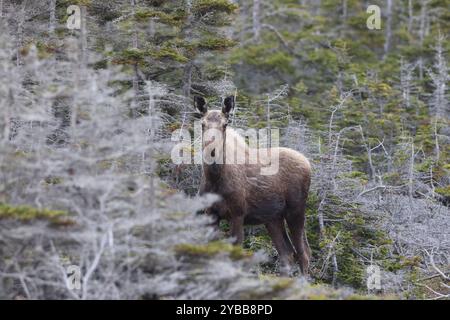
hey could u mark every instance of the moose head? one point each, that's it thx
(214, 126)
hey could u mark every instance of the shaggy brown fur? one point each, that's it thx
(251, 198)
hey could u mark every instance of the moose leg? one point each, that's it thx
(278, 235)
(237, 229)
(296, 222)
(288, 244)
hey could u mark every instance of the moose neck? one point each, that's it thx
(235, 145)
(214, 171)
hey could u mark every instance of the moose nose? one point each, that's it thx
(208, 142)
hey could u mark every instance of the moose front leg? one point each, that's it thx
(237, 229)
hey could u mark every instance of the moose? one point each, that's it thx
(248, 197)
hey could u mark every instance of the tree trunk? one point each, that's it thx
(423, 18)
(256, 20)
(187, 79)
(436, 139)
(411, 176)
(83, 35)
(387, 43)
(52, 23)
(344, 10)
(135, 45)
(20, 32)
(410, 15)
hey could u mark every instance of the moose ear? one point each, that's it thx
(228, 105)
(200, 104)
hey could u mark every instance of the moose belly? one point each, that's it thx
(265, 210)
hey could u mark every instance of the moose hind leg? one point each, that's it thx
(288, 243)
(284, 248)
(296, 223)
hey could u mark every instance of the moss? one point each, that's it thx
(27, 213)
(322, 296)
(444, 191)
(361, 297)
(356, 175)
(82, 2)
(282, 284)
(212, 249)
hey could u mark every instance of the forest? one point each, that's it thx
(95, 95)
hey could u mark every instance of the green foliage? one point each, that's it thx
(444, 191)
(131, 56)
(202, 7)
(282, 284)
(212, 43)
(212, 249)
(29, 214)
(320, 54)
(168, 53)
(356, 175)
(328, 49)
(348, 236)
(82, 2)
(264, 56)
(176, 18)
(26, 213)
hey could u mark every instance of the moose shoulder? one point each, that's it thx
(249, 197)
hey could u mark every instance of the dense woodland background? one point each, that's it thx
(87, 116)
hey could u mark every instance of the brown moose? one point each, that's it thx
(248, 197)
